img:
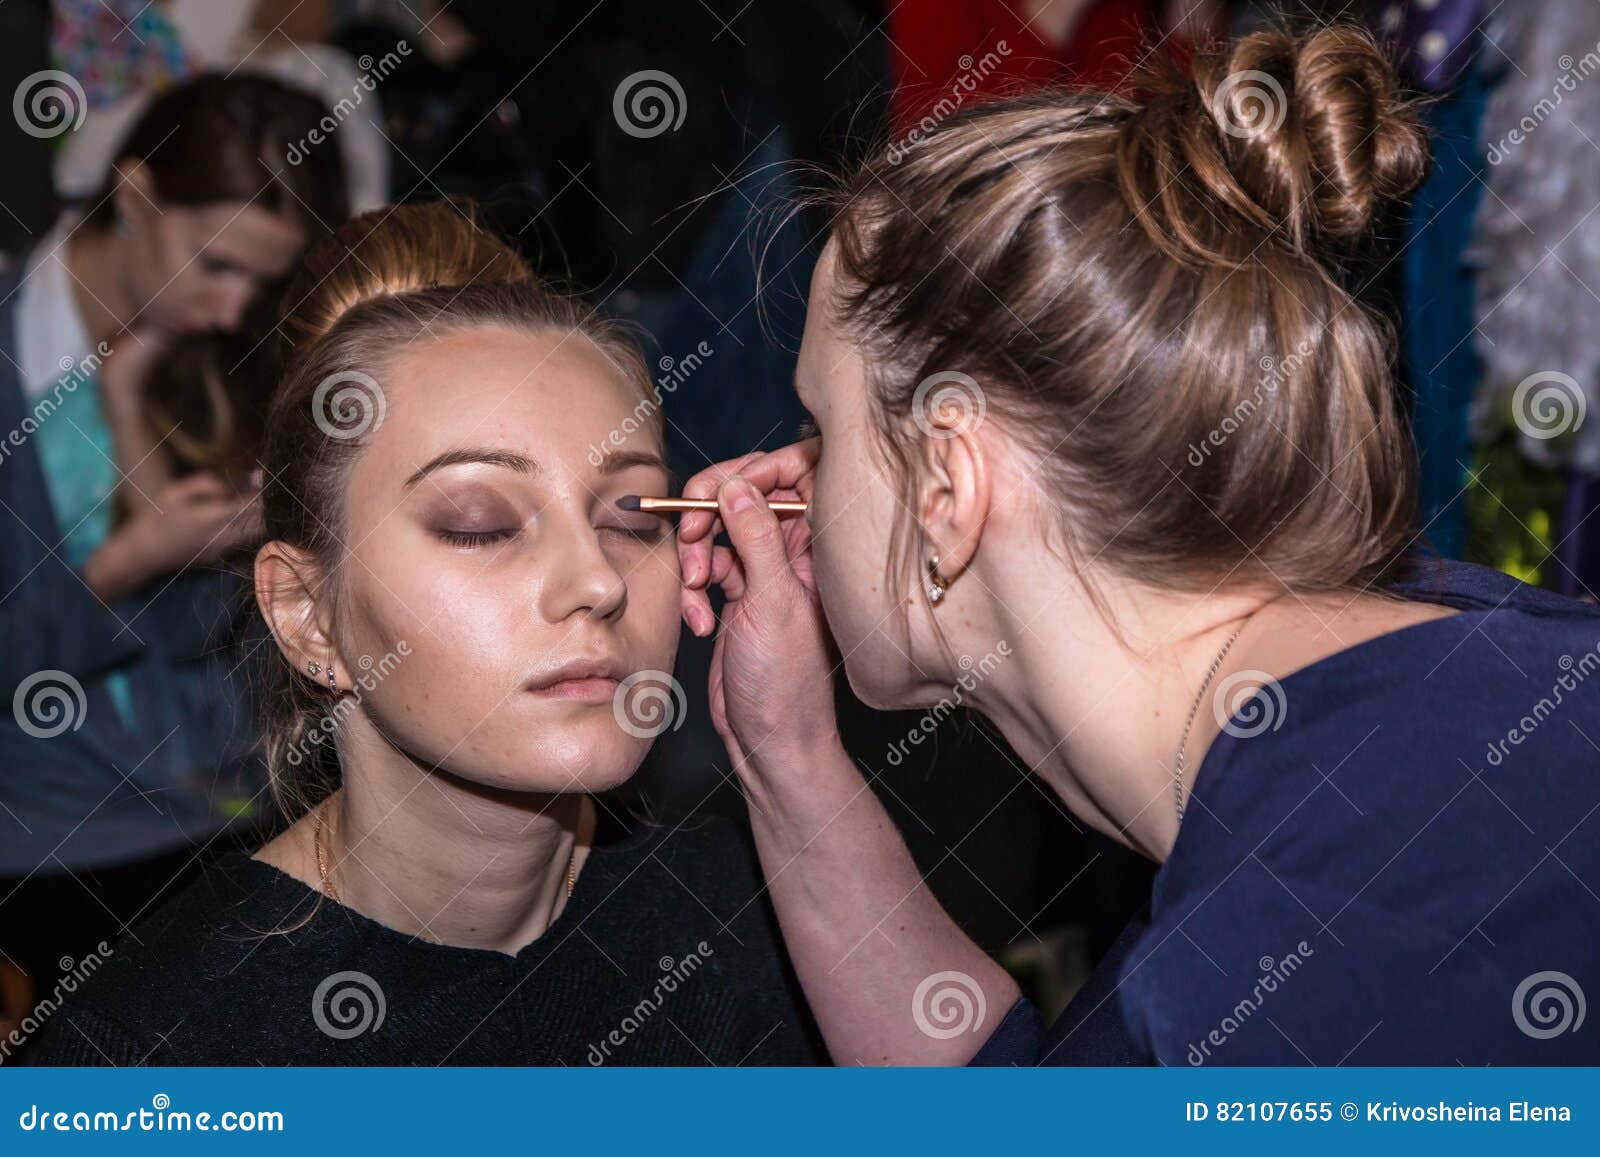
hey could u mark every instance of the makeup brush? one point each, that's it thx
(683, 505)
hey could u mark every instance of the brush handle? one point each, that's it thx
(682, 505)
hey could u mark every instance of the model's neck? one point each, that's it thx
(427, 854)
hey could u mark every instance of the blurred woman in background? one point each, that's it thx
(125, 746)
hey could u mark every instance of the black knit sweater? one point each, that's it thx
(665, 954)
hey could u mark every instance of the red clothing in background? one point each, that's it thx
(938, 42)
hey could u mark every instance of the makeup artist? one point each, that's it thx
(1090, 383)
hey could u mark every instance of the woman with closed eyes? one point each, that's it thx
(468, 634)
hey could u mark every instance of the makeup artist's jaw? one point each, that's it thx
(855, 507)
(483, 536)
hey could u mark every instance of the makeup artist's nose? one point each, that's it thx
(583, 581)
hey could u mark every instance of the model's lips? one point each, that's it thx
(594, 688)
(580, 679)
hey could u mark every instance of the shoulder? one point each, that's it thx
(214, 938)
(1371, 851)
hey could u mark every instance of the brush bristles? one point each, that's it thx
(628, 502)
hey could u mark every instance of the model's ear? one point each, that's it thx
(289, 583)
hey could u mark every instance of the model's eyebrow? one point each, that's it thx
(628, 459)
(503, 458)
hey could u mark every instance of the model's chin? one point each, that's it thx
(573, 755)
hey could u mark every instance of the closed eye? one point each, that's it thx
(471, 539)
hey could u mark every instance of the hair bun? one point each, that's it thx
(1308, 135)
(387, 252)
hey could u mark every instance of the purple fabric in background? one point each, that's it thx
(1578, 540)
(1434, 41)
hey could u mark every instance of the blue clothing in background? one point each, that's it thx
(79, 463)
(1404, 868)
(1441, 364)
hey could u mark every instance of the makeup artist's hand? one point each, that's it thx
(772, 668)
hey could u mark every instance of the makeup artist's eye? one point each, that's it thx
(469, 539)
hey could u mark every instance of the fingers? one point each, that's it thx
(788, 469)
(755, 534)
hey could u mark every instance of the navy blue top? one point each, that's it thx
(1406, 870)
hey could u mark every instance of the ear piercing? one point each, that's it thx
(314, 670)
(937, 584)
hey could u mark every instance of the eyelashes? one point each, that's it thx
(474, 539)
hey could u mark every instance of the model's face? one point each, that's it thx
(195, 269)
(481, 535)
(855, 507)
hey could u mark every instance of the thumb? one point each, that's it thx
(754, 532)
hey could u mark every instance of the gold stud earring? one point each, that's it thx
(937, 585)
